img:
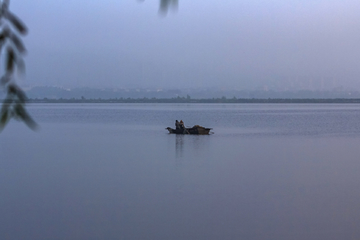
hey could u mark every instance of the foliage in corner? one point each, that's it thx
(11, 28)
(166, 4)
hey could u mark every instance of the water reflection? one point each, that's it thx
(189, 161)
(190, 145)
(179, 145)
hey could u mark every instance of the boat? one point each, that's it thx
(193, 130)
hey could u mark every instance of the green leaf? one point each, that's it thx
(21, 112)
(5, 79)
(4, 117)
(18, 43)
(10, 60)
(19, 25)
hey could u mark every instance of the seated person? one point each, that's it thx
(177, 124)
(182, 126)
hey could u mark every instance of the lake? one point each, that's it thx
(111, 171)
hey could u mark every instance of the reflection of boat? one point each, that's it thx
(193, 130)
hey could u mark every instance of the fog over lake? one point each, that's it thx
(111, 171)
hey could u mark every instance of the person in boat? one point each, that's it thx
(177, 124)
(182, 126)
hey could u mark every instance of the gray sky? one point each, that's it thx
(239, 44)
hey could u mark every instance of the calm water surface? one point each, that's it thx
(111, 171)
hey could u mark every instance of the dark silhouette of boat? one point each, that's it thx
(193, 130)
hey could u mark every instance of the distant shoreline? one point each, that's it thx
(188, 100)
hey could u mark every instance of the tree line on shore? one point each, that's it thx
(188, 99)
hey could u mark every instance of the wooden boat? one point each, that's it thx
(193, 130)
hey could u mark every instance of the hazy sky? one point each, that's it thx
(229, 43)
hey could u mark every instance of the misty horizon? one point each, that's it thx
(242, 44)
(53, 92)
